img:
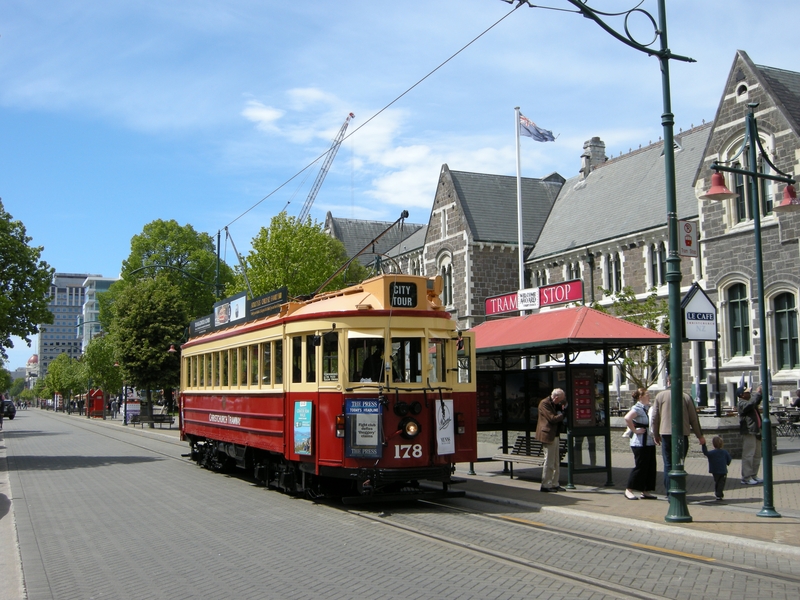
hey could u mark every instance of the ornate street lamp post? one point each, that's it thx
(678, 510)
(719, 191)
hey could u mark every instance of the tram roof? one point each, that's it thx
(563, 330)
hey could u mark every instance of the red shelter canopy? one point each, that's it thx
(564, 330)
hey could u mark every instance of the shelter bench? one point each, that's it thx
(160, 419)
(530, 452)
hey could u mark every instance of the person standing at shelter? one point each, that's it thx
(643, 476)
(750, 428)
(551, 415)
(661, 426)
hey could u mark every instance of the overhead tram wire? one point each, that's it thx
(352, 133)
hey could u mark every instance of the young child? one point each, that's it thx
(718, 461)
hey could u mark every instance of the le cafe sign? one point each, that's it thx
(534, 298)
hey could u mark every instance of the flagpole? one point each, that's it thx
(519, 207)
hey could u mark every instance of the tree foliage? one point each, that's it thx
(150, 315)
(24, 283)
(66, 376)
(295, 254)
(16, 387)
(180, 254)
(642, 365)
(99, 361)
(5, 379)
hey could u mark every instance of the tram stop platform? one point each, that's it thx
(736, 516)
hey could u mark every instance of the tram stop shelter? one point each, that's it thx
(582, 344)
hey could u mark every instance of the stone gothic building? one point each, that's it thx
(608, 227)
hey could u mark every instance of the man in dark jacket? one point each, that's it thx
(750, 428)
(551, 415)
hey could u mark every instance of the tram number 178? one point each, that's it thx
(408, 451)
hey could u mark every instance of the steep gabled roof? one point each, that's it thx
(355, 234)
(784, 87)
(490, 205)
(413, 242)
(622, 196)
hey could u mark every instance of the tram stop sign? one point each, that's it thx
(699, 315)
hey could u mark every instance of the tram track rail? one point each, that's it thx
(558, 536)
(616, 543)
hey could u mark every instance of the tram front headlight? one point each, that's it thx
(409, 428)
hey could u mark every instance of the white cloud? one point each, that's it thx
(263, 116)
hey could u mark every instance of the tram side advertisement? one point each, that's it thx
(363, 433)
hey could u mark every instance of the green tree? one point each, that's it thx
(183, 256)
(16, 387)
(41, 389)
(99, 361)
(5, 380)
(641, 365)
(66, 376)
(27, 395)
(298, 255)
(150, 316)
(24, 281)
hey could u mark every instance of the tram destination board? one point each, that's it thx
(402, 295)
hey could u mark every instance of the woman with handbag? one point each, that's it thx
(642, 479)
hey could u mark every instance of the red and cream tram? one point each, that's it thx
(360, 393)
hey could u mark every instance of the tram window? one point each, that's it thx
(208, 360)
(311, 360)
(407, 359)
(330, 356)
(365, 359)
(464, 352)
(297, 359)
(235, 367)
(436, 361)
(252, 365)
(215, 358)
(266, 378)
(223, 368)
(278, 362)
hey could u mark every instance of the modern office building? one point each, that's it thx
(88, 324)
(66, 299)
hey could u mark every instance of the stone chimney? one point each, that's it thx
(594, 154)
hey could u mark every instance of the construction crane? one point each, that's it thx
(323, 171)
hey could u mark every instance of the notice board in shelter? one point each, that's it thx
(583, 405)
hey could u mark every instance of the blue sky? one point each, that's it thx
(114, 114)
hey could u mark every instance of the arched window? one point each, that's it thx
(573, 270)
(786, 331)
(617, 273)
(446, 271)
(653, 265)
(739, 320)
(662, 264)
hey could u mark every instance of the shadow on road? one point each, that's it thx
(63, 463)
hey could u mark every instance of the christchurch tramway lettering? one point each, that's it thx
(224, 419)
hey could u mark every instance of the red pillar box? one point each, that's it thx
(96, 402)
